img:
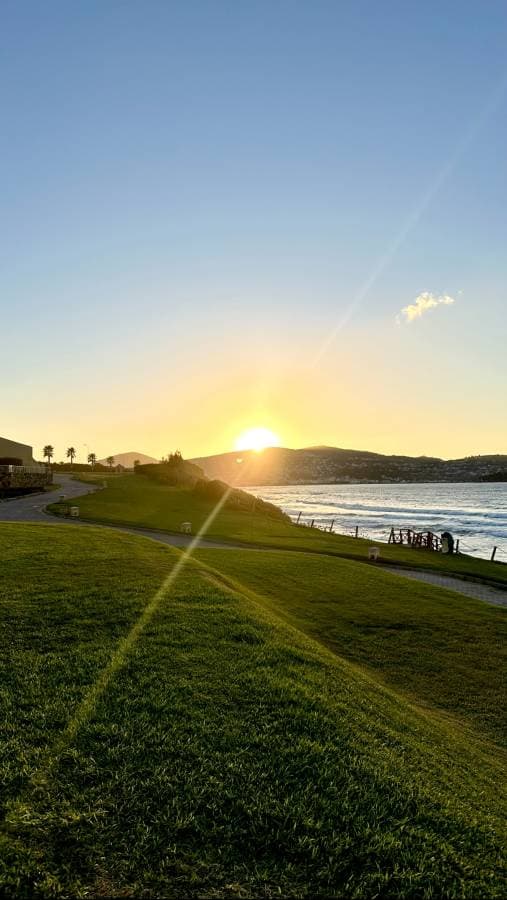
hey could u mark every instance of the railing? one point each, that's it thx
(415, 538)
(23, 479)
(16, 470)
(408, 536)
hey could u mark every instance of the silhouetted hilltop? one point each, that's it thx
(127, 460)
(327, 465)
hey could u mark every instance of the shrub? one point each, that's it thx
(80, 467)
(238, 499)
(174, 471)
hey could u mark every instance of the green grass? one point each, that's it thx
(136, 500)
(222, 753)
(439, 648)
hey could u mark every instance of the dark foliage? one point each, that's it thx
(174, 471)
(215, 490)
(81, 467)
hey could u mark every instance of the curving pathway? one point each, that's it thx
(32, 508)
(477, 590)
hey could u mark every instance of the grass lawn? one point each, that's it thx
(443, 650)
(211, 749)
(136, 500)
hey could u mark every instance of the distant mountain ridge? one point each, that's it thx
(128, 459)
(328, 465)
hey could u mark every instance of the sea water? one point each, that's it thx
(474, 513)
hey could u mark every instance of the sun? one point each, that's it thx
(257, 439)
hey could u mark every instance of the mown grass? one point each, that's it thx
(227, 755)
(442, 649)
(136, 500)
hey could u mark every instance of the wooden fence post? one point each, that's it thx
(493, 554)
(298, 518)
(331, 527)
(357, 531)
(313, 520)
(457, 546)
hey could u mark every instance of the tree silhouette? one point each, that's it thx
(48, 453)
(110, 461)
(92, 459)
(71, 453)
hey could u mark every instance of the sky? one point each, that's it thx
(217, 216)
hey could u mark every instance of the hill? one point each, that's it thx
(169, 734)
(127, 460)
(148, 501)
(328, 465)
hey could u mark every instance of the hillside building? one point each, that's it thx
(14, 450)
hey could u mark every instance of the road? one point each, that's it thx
(32, 508)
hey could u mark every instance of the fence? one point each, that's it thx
(23, 479)
(405, 535)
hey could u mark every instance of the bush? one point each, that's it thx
(174, 471)
(177, 472)
(80, 467)
(238, 499)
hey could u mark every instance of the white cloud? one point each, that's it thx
(422, 304)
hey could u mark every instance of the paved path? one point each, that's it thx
(173, 538)
(477, 590)
(32, 509)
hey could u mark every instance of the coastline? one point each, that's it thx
(474, 512)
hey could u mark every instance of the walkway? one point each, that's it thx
(32, 508)
(477, 590)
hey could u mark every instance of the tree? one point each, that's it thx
(110, 461)
(71, 454)
(92, 459)
(48, 453)
(137, 462)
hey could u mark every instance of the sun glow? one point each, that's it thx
(257, 439)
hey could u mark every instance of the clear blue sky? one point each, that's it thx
(194, 194)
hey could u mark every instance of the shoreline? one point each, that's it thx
(474, 512)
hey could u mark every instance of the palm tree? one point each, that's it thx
(92, 459)
(71, 453)
(48, 453)
(110, 461)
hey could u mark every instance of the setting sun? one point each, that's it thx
(257, 439)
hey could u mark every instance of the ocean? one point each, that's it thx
(474, 513)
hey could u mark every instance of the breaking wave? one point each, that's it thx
(476, 513)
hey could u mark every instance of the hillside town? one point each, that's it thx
(330, 465)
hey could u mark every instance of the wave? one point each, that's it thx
(458, 512)
(475, 513)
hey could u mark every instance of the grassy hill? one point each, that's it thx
(438, 648)
(143, 502)
(178, 737)
(128, 459)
